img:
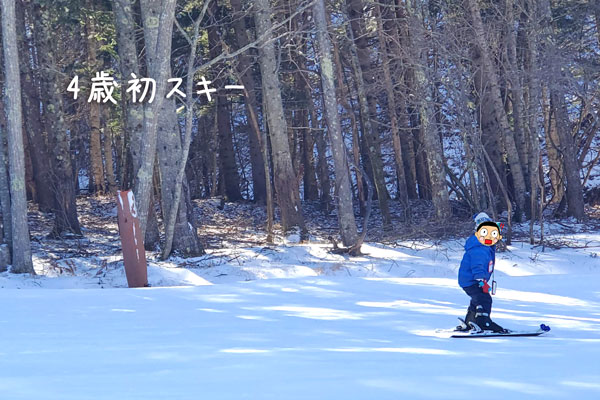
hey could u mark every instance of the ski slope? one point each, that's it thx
(297, 322)
(303, 338)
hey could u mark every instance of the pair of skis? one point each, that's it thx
(477, 332)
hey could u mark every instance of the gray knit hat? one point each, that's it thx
(481, 218)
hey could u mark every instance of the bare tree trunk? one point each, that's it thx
(171, 160)
(245, 70)
(533, 104)
(361, 64)
(322, 164)
(575, 204)
(508, 237)
(435, 162)
(556, 172)
(398, 28)
(35, 133)
(418, 137)
(195, 165)
(294, 144)
(228, 165)
(97, 168)
(431, 141)
(179, 179)
(492, 142)
(134, 112)
(30, 188)
(230, 179)
(262, 142)
(389, 91)
(345, 209)
(343, 97)
(107, 144)
(158, 67)
(21, 247)
(261, 170)
(286, 186)
(301, 121)
(65, 207)
(128, 62)
(311, 189)
(516, 88)
(4, 181)
(499, 111)
(408, 147)
(122, 160)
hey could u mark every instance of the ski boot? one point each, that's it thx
(465, 324)
(485, 323)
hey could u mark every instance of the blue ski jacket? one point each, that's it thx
(477, 263)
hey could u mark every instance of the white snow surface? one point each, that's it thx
(296, 322)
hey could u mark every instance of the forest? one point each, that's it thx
(403, 110)
(299, 199)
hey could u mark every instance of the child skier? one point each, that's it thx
(475, 270)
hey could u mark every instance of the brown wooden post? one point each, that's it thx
(134, 255)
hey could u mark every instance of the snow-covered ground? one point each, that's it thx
(296, 322)
(293, 260)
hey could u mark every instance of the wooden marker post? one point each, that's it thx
(134, 255)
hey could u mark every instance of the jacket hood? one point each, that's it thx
(473, 242)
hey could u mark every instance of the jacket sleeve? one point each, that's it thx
(479, 263)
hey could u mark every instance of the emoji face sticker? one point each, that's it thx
(488, 235)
